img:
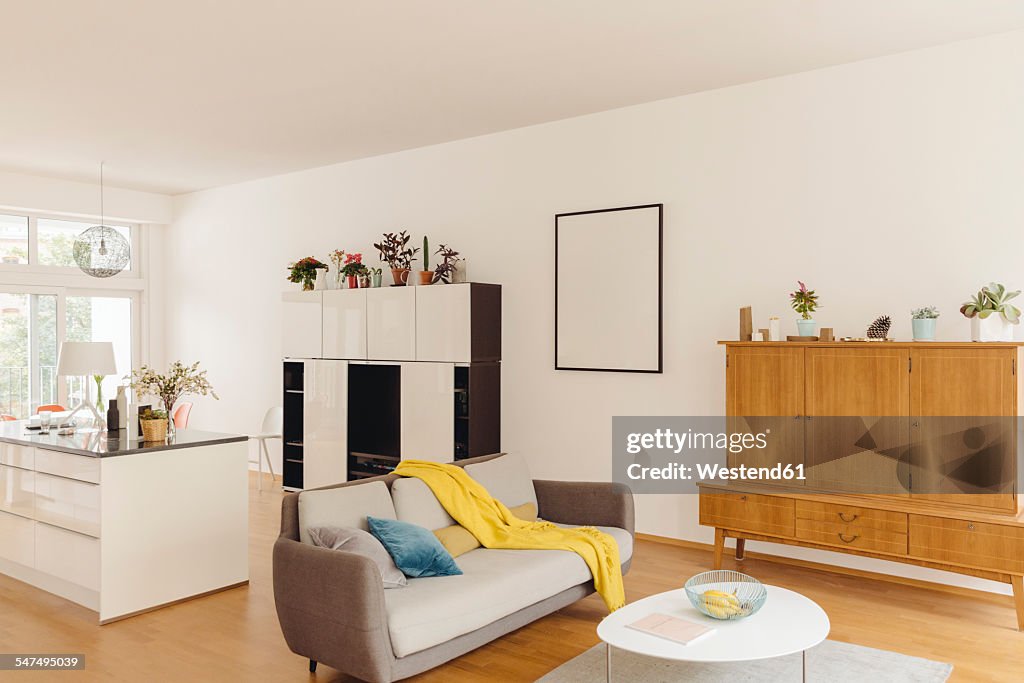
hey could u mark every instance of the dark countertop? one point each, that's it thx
(99, 445)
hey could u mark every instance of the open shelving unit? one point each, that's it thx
(292, 432)
(374, 420)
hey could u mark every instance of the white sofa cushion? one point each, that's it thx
(416, 503)
(347, 506)
(507, 478)
(494, 584)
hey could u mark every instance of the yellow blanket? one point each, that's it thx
(469, 504)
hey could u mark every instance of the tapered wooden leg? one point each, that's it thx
(1017, 582)
(719, 548)
(741, 546)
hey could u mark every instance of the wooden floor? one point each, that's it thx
(234, 636)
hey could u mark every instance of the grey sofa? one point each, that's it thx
(332, 605)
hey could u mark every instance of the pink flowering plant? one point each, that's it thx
(354, 265)
(804, 301)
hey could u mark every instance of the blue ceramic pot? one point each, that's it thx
(924, 329)
(806, 328)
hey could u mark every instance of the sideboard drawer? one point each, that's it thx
(68, 503)
(67, 555)
(17, 539)
(80, 467)
(848, 514)
(973, 544)
(17, 456)
(851, 536)
(748, 512)
(16, 490)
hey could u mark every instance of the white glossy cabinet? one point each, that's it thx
(68, 465)
(391, 323)
(324, 423)
(68, 555)
(428, 411)
(17, 539)
(443, 331)
(344, 324)
(17, 456)
(302, 325)
(17, 490)
(67, 503)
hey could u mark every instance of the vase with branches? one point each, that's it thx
(179, 381)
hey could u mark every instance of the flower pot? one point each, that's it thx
(426, 277)
(364, 282)
(353, 281)
(308, 285)
(994, 328)
(376, 277)
(924, 329)
(400, 276)
(806, 328)
(154, 430)
(321, 279)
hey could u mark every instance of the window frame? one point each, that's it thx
(33, 265)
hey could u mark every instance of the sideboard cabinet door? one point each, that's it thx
(428, 411)
(391, 323)
(325, 423)
(345, 324)
(302, 325)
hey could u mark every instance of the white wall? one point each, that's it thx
(52, 195)
(885, 184)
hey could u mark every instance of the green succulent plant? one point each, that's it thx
(992, 298)
(925, 313)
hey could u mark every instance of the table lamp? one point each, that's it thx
(85, 359)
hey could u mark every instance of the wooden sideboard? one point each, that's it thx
(865, 503)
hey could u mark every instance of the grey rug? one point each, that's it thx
(831, 662)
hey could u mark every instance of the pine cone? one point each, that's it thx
(880, 328)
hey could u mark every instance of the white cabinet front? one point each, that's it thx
(17, 456)
(67, 503)
(345, 324)
(324, 423)
(17, 490)
(302, 324)
(17, 539)
(428, 411)
(80, 467)
(391, 323)
(69, 556)
(443, 323)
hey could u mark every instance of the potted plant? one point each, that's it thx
(992, 317)
(426, 275)
(304, 271)
(154, 425)
(804, 301)
(396, 252)
(445, 270)
(922, 320)
(375, 276)
(353, 268)
(180, 380)
(337, 257)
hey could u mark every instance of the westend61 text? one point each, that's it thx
(715, 472)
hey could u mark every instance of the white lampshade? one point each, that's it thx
(86, 358)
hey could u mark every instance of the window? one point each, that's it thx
(41, 241)
(101, 318)
(13, 239)
(28, 352)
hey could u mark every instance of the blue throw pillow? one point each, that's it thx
(416, 551)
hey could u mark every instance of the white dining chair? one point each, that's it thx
(273, 425)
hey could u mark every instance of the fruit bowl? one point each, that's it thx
(725, 594)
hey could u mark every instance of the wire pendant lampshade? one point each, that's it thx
(101, 251)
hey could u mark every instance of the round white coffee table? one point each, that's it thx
(787, 623)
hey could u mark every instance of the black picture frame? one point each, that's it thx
(661, 259)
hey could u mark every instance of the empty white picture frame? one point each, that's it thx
(608, 289)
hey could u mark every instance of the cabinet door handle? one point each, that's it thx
(970, 526)
(844, 539)
(842, 516)
(743, 498)
(796, 417)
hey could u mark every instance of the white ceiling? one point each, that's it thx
(186, 94)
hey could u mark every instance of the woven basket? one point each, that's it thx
(154, 430)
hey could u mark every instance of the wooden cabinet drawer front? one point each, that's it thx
(17, 539)
(975, 544)
(16, 490)
(80, 467)
(67, 555)
(851, 536)
(748, 512)
(17, 456)
(884, 520)
(68, 503)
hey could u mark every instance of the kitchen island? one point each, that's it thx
(122, 526)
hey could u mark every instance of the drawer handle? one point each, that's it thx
(844, 539)
(842, 516)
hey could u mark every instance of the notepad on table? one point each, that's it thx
(671, 628)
